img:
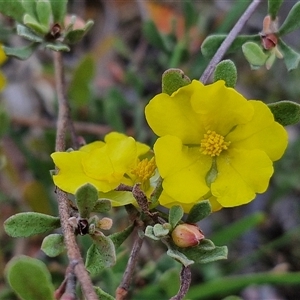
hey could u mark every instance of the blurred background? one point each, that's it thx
(111, 75)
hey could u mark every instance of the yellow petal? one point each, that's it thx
(221, 108)
(2, 81)
(241, 174)
(91, 146)
(71, 174)
(118, 198)
(183, 169)
(262, 132)
(174, 115)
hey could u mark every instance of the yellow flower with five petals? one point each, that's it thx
(214, 144)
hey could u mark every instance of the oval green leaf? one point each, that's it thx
(172, 80)
(273, 7)
(254, 54)
(53, 244)
(29, 278)
(30, 223)
(292, 21)
(226, 70)
(175, 214)
(199, 211)
(86, 197)
(290, 56)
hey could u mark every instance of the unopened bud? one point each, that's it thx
(105, 223)
(187, 235)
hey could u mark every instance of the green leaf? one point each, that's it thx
(175, 214)
(26, 33)
(80, 91)
(53, 244)
(172, 80)
(13, 9)
(273, 7)
(59, 9)
(100, 255)
(254, 54)
(29, 278)
(290, 56)
(30, 223)
(149, 232)
(43, 10)
(180, 257)
(21, 53)
(153, 36)
(86, 197)
(286, 112)
(233, 231)
(199, 211)
(76, 35)
(103, 295)
(205, 252)
(213, 42)
(119, 237)
(102, 206)
(33, 24)
(30, 7)
(226, 70)
(292, 21)
(160, 231)
(190, 14)
(57, 46)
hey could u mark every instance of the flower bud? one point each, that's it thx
(105, 223)
(187, 235)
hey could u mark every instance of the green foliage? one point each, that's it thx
(30, 223)
(100, 255)
(149, 232)
(175, 214)
(26, 33)
(29, 278)
(290, 56)
(292, 21)
(43, 10)
(102, 206)
(254, 54)
(180, 257)
(86, 197)
(103, 295)
(286, 112)
(273, 7)
(172, 80)
(59, 10)
(199, 211)
(190, 14)
(119, 237)
(13, 9)
(160, 230)
(53, 244)
(226, 70)
(75, 35)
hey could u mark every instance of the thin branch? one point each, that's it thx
(228, 41)
(73, 251)
(124, 286)
(185, 281)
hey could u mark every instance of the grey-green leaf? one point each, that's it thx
(102, 205)
(21, 53)
(254, 54)
(29, 278)
(103, 295)
(76, 35)
(34, 24)
(13, 9)
(226, 70)
(57, 47)
(30, 7)
(119, 237)
(292, 21)
(59, 9)
(26, 33)
(179, 256)
(150, 233)
(290, 56)
(43, 10)
(160, 231)
(273, 7)
(175, 214)
(199, 211)
(53, 244)
(86, 197)
(172, 80)
(30, 223)
(286, 112)
(100, 255)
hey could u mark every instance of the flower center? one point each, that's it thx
(213, 144)
(144, 169)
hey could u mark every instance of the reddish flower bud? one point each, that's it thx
(187, 235)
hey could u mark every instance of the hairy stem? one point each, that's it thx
(228, 41)
(185, 281)
(63, 120)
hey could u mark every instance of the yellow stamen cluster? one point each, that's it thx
(213, 144)
(145, 169)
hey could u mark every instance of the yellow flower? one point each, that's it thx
(119, 159)
(214, 144)
(2, 60)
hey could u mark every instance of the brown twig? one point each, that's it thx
(185, 281)
(228, 41)
(124, 286)
(63, 120)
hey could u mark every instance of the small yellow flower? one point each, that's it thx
(214, 144)
(102, 164)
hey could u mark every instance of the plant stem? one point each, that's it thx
(185, 281)
(124, 286)
(228, 41)
(63, 120)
